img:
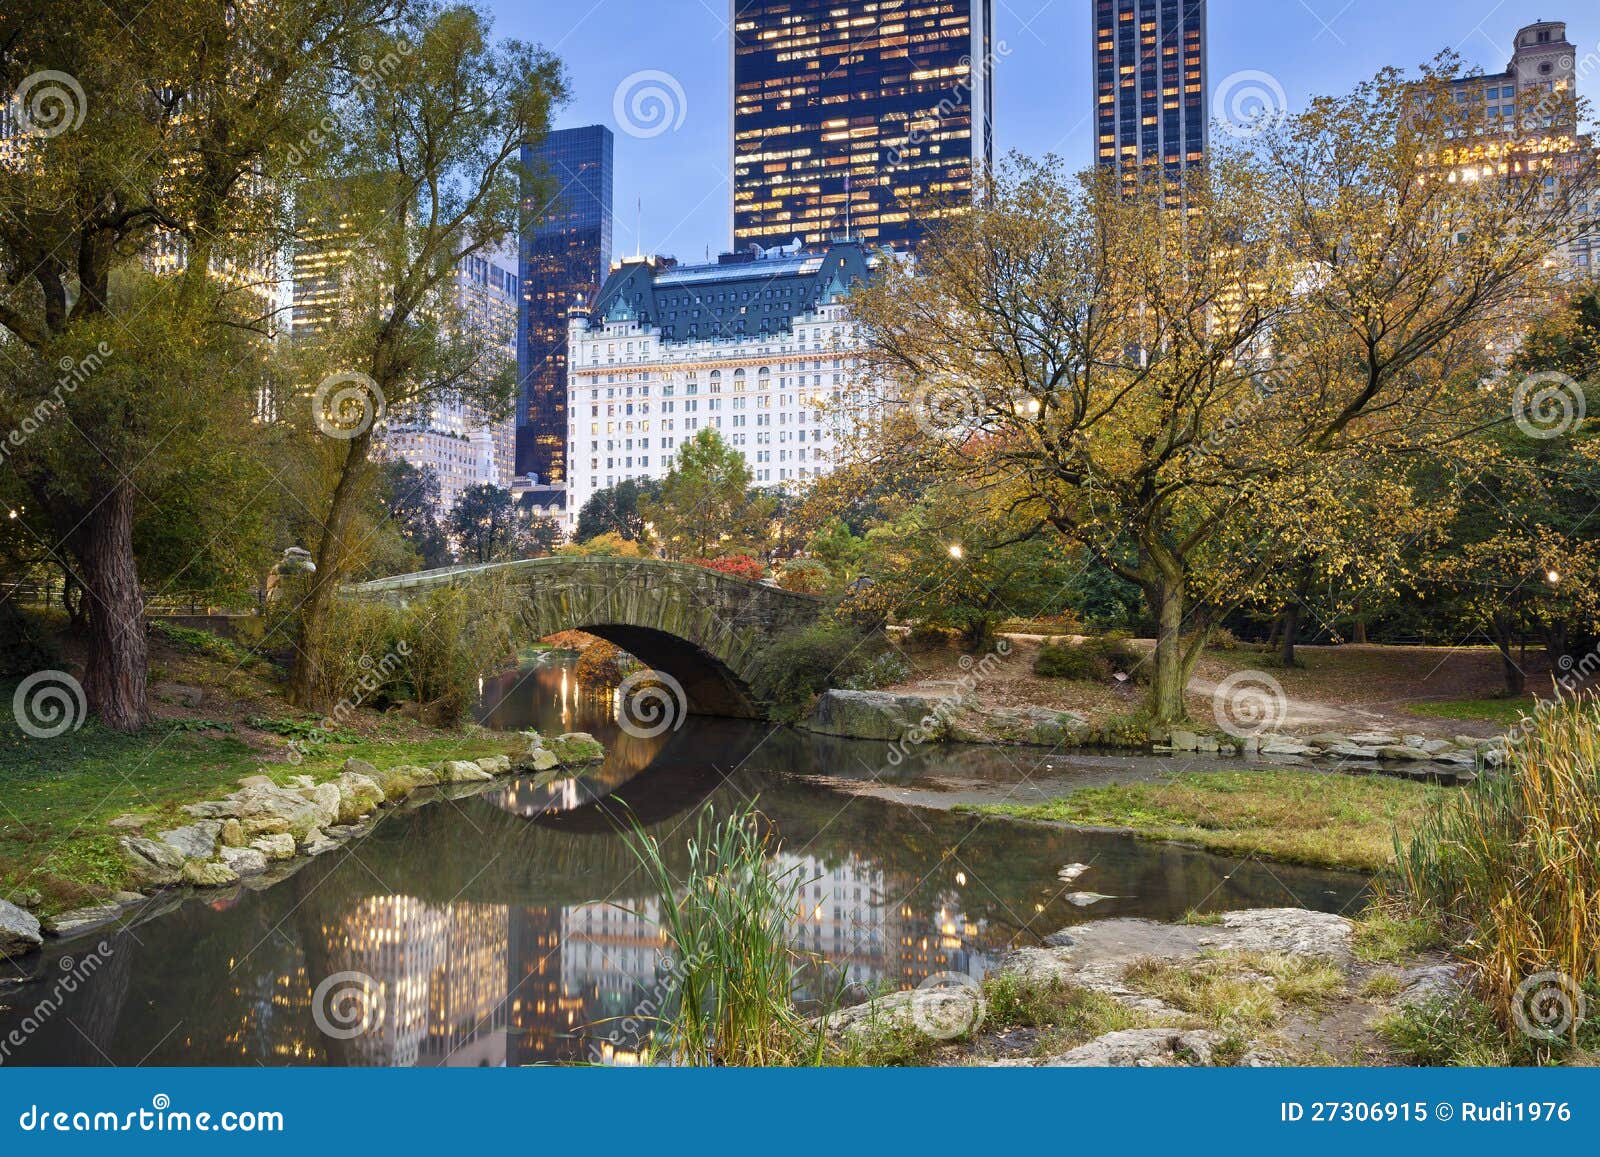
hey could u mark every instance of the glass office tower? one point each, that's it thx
(1150, 85)
(866, 117)
(566, 253)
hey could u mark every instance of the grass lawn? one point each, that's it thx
(57, 794)
(1327, 820)
(1505, 712)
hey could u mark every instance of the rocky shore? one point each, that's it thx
(909, 721)
(263, 831)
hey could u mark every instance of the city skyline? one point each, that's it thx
(673, 187)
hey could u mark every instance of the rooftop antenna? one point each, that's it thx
(638, 227)
(847, 206)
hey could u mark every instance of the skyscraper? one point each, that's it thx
(566, 252)
(863, 116)
(1150, 85)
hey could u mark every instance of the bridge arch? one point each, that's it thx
(699, 626)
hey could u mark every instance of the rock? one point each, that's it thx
(209, 874)
(1418, 741)
(460, 771)
(1022, 726)
(1284, 745)
(1326, 738)
(1184, 741)
(576, 747)
(1404, 754)
(1059, 940)
(501, 764)
(359, 795)
(1250, 745)
(213, 809)
(1141, 1048)
(1473, 742)
(79, 919)
(1436, 746)
(1457, 758)
(1374, 739)
(1208, 745)
(275, 847)
(244, 861)
(152, 863)
(543, 760)
(19, 932)
(129, 897)
(318, 844)
(870, 715)
(197, 841)
(356, 766)
(1429, 983)
(132, 822)
(400, 781)
(264, 811)
(1292, 931)
(257, 781)
(232, 835)
(29, 898)
(1351, 751)
(327, 798)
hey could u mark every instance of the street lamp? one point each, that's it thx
(956, 552)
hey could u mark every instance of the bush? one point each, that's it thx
(601, 665)
(1515, 856)
(1069, 661)
(928, 637)
(735, 565)
(800, 664)
(805, 576)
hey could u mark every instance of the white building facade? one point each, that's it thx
(758, 347)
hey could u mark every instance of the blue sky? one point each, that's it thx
(1042, 97)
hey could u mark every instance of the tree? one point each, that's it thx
(123, 144)
(705, 506)
(414, 505)
(615, 510)
(485, 524)
(1148, 383)
(427, 178)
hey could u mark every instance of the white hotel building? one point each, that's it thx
(756, 346)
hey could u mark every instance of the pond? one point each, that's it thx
(511, 928)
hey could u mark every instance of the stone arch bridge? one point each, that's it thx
(701, 627)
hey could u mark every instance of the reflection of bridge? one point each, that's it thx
(703, 628)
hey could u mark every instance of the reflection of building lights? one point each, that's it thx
(961, 878)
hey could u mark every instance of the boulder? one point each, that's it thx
(1350, 751)
(576, 747)
(356, 766)
(257, 781)
(1457, 757)
(543, 760)
(19, 931)
(318, 844)
(213, 809)
(870, 715)
(1429, 983)
(244, 861)
(460, 771)
(132, 822)
(1143, 1048)
(264, 811)
(1284, 745)
(1404, 754)
(1024, 726)
(29, 898)
(232, 834)
(359, 795)
(1184, 741)
(500, 764)
(276, 847)
(209, 874)
(152, 863)
(77, 920)
(400, 781)
(327, 798)
(1374, 739)
(197, 841)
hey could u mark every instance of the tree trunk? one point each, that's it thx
(1169, 674)
(114, 681)
(1516, 678)
(305, 684)
(1291, 634)
(1359, 637)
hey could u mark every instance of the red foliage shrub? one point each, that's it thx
(737, 565)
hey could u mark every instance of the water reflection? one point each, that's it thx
(512, 927)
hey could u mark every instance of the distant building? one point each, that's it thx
(759, 349)
(1526, 118)
(1151, 112)
(457, 440)
(856, 116)
(566, 250)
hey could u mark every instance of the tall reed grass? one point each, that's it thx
(734, 973)
(1513, 859)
